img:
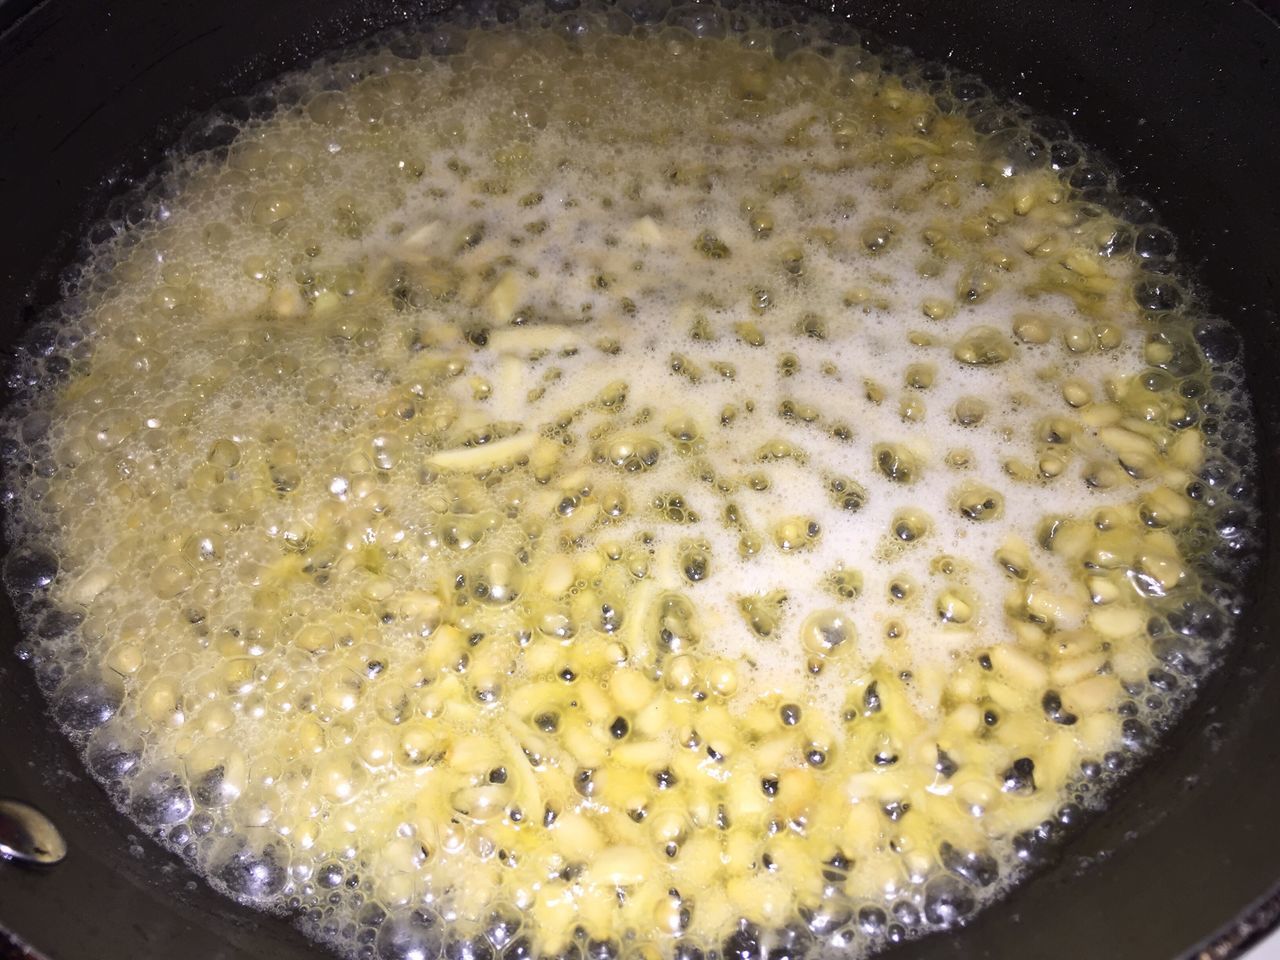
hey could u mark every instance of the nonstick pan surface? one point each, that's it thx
(1182, 96)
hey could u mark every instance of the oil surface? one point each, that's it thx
(636, 481)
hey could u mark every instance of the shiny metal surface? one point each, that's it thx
(28, 836)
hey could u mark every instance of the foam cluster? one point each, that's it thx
(634, 481)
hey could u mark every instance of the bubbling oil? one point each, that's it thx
(626, 480)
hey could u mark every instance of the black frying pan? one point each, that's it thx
(1184, 97)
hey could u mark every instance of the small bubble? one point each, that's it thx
(86, 700)
(30, 569)
(468, 948)
(1157, 294)
(947, 901)
(160, 797)
(1219, 341)
(254, 875)
(1154, 243)
(418, 936)
(872, 920)
(743, 944)
(114, 751)
(977, 868)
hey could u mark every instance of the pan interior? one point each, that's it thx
(210, 773)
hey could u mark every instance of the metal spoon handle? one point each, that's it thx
(28, 836)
